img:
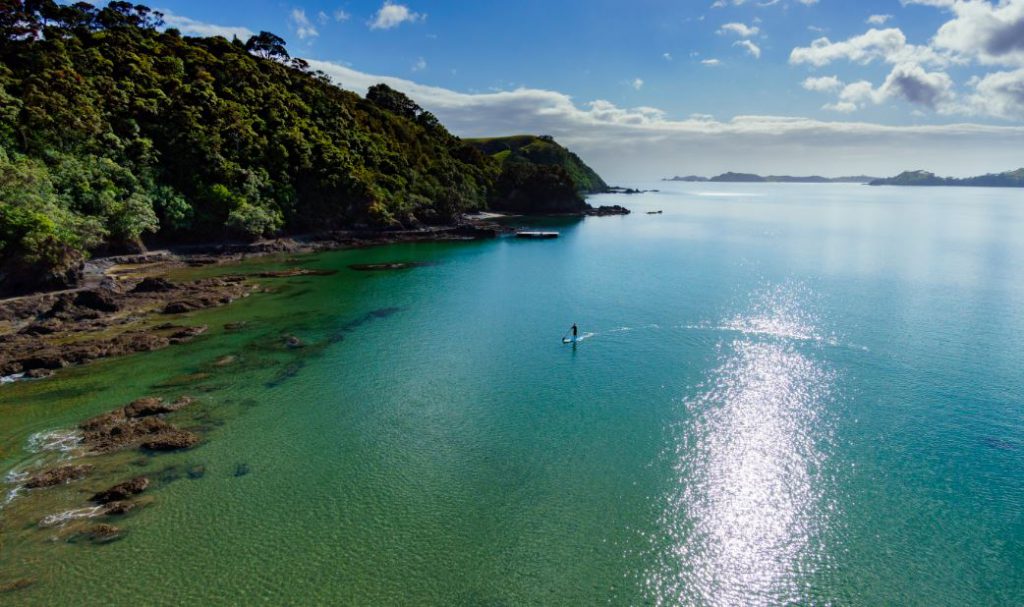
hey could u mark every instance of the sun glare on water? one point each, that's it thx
(740, 525)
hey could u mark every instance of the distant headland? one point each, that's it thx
(1007, 179)
(731, 177)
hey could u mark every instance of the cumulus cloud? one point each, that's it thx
(912, 83)
(392, 15)
(823, 84)
(191, 27)
(740, 29)
(889, 45)
(878, 19)
(301, 24)
(657, 145)
(420, 65)
(751, 48)
(990, 34)
(999, 94)
(637, 83)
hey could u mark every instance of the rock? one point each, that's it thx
(99, 534)
(58, 476)
(242, 469)
(171, 440)
(235, 326)
(291, 341)
(196, 472)
(119, 507)
(147, 406)
(121, 491)
(16, 585)
(46, 327)
(102, 300)
(179, 307)
(154, 285)
(605, 210)
(112, 432)
(38, 373)
(296, 272)
(45, 358)
(225, 360)
(187, 334)
(394, 265)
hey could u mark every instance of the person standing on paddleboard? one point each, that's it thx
(575, 332)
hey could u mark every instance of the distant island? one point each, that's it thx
(1007, 179)
(731, 177)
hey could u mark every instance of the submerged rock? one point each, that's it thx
(171, 441)
(18, 584)
(292, 341)
(241, 469)
(147, 406)
(394, 265)
(58, 476)
(98, 534)
(121, 491)
(296, 272)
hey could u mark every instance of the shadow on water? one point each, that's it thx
(309, 351)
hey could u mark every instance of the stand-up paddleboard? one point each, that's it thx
(577, 339)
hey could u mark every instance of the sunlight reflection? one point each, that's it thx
(742, 522)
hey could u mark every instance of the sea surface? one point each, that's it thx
(789, 394)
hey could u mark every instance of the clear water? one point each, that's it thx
(793, 394)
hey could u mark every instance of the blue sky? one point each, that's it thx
(830, 86)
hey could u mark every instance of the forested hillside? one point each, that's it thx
(115, 132)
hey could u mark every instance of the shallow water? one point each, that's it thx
(793, 394)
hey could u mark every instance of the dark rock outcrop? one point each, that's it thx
(58, 476)
(121, 491)
(171, 441)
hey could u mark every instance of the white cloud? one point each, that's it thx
(843, 107)
(912, 83)
(999, 94)
(420, 65)
(666, 56)
(340, 15)
(647, 143)
(191, 27)
(637, 83)
(889, 45)
(751, 48)
(301, 24)
(878, 19)
(823, 84)
(710, 61)
(392, 15)
(740, 29)
(991, 34)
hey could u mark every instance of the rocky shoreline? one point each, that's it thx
(121, 300)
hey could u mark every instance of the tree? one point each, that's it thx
(393, 101)
(268, 46)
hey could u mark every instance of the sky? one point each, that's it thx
(652, 88)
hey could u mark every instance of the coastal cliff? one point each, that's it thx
(117, 135)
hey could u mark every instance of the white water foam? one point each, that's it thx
(63, 441)
(10, 379)
(69, 515)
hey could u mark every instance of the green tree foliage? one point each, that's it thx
(114, 132)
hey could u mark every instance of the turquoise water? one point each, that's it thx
(793, 394)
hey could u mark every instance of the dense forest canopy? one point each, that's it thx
(115, 131)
